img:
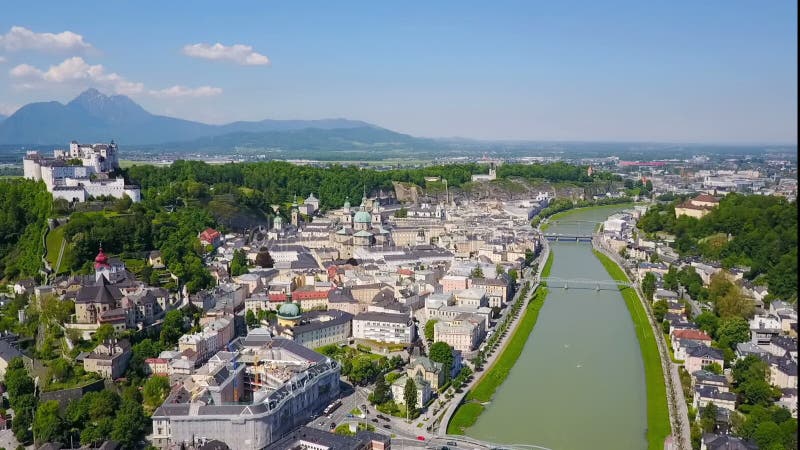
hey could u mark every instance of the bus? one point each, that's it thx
(332, 407)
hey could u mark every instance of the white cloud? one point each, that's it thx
(183, 91)
(238, 53)
(7, 110)
(74, 71)
(21, 38)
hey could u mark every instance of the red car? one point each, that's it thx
(420, 438)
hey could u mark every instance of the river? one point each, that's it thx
(579, 382)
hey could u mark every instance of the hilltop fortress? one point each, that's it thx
(79, 173)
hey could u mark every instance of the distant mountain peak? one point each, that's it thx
(112, 107)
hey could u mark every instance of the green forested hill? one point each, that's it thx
(748, 230)
(24, 208)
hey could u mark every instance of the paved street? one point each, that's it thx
(7, 440)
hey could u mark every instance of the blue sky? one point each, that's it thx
(677, 71)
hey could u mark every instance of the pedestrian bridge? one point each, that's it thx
(585, 283)
(568, 237)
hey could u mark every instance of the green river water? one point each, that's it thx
(579, 382)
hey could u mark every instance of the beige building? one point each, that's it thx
(109, 359)
(463, 333)
(496, 289)
(429, 370)
(697, 207)
(424, 391)
(472, 298)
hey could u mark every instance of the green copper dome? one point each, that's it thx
(289, 311)
(362, 217)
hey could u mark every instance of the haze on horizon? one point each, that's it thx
(683, 71)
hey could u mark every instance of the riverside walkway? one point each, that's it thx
(679, 413)
(459, 398)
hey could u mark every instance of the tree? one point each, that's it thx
(250, 318)
(442, 353)
(172, 328)
(660, 310)
(708, 418)
(477, 272)
(499, 269)
(47, 426)
(649, 285)
(429, 331)
(238, 263)
(401, 213)
(101, 404)
(708, 322)
(264, 259)
(99, 432)
(140, 351)
(363, 370)
(155, 390)
(529, 256)
(714, 368)
(732, 331)
(104, 332)
(671, 281)
(734, 304)
(129, 425)
(60, 370)
(768, 435)
(18, 382)
(381, 392)
(750, 376)
(513, 275)
(410, 395)
(123, 204)
(24, 406)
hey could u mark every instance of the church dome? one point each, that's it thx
(362, 217)
(346, 203)
(289, 311)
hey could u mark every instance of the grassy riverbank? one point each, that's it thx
(467, 414)
(658, 425)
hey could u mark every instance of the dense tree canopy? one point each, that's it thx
(441, 352)
(762, 230)
(24, 208)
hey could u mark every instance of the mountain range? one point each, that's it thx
(95, 117)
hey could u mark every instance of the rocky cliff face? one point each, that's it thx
(406, 192)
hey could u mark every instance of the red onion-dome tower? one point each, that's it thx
(101, 260)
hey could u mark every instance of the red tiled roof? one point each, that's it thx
(274, 298)
(695, 335)
(706, 198)
(306, 295)
(209, 234)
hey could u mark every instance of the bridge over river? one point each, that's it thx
(570, 230)
(584, 283)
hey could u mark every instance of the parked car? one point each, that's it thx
(420, 438)
(375, 420)
(387, 427)
(333, 425)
